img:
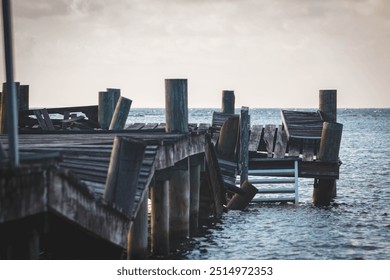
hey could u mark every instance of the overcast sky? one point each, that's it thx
(273, 53)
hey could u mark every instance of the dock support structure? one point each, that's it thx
(160, 216)
(137, 245)
(176, 114)
(228, 101)
(325, 189)
(244, 142)
(196, 164)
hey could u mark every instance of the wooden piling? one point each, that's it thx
(107, 104)
(244, 143)
(329, 152)
(24, 93)
(160, 217)
(176, 105)
(241, 201)
(228, 137)
(137, 246)
(121, 113)
(328, 105)
(179, 202)
(176, 116)
(195, 168)
(328, 110)
(228, 101)
(122, 179)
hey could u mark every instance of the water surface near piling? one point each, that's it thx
(355, 226)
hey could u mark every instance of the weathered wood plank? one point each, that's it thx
(269, 138)
(255, 137)
(228, 137)
(281, 143)
(214, 178)
(244, 142)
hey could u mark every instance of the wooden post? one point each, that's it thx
(244, 143)
(179, 202)
(24, 103)
(227, 141)
(160, 217)
(121, 113)
(328, 109)
(122, 179)
(329, 152)
(176, 115)
(107, 104)
(176, 105)
(241, 201)
(228, 100)
(328, 105)
(195, 167)
(138, 233)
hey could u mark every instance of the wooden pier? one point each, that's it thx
(83, 192)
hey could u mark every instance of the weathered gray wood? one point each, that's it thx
(308, 150)
(255, 137)
(294, 148)
(121, 113)
(228, 101)
(241, 201)
(328, 105)
(244, 143)
(176, 105)
(330, 142)
(160, 217)
(280, 144)
(215, 179)
(24, 92)
(179, 202)
(195, 167)
(107, 104)
(269, 138)
(323, 191)
(47, 119)
(138, 234)
(135, 126)
(122, 179)
(228, 136)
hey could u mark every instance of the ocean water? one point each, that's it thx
(355, 226)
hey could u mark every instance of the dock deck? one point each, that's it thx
(70, 179)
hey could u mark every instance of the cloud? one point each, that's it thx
(248, 41)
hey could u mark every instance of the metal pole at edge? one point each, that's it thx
(12, 116)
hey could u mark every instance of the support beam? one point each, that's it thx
(195, 168)
(179, 202)
(244, 143)
(160, 217)
(138, 233)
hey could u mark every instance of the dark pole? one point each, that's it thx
(12, 117)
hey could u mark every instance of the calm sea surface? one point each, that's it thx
(355, 226)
